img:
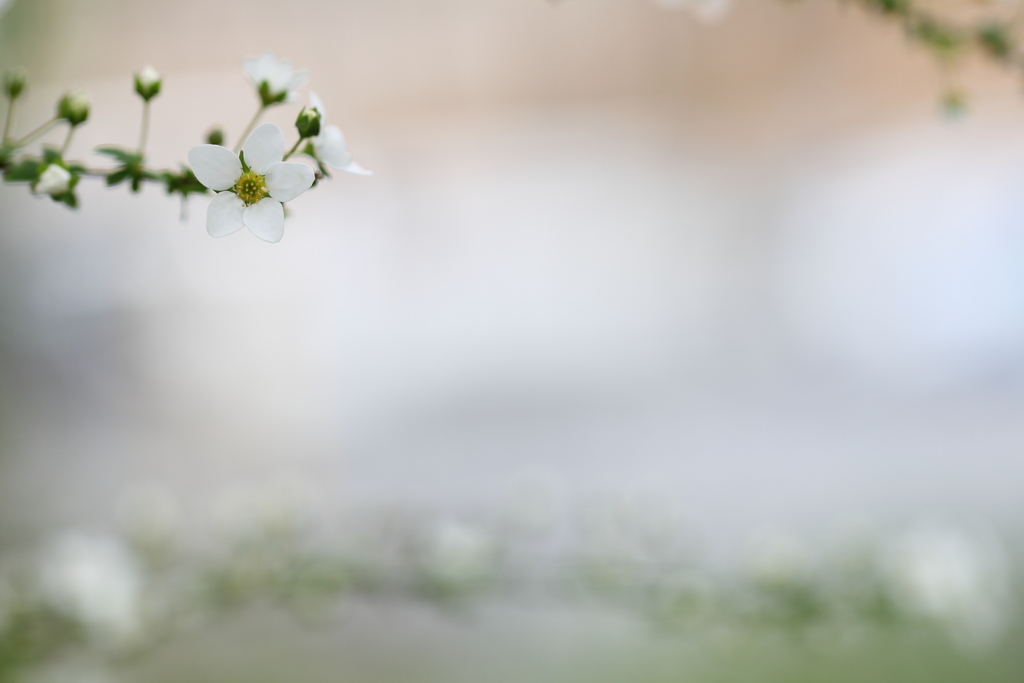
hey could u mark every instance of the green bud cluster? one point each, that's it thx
(308, 123)
(14, 83)
(73, 107)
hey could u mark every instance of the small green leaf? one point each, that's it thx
(51, 155)
(124, 156)
(6, 152)
(26, 171)
(68, 198)
(117, 177)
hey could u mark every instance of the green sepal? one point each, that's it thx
(25, 171)
(73, 108)
(147, 92)
(996, 40)
(52, 156)
(184, 183)
(117, 177)
(215, 136)
(308, 123)
(241, 159)
(14, 83)
(268, 98)
(68, 198)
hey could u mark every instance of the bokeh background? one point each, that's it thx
(747, 270)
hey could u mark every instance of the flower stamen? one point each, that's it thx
(250, 188)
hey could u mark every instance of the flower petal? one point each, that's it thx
(265, 219)
(297, 80)
(287, 180)
(357, 169)
(224, 216)
(280, 76)
(316, 103)
(216, 167)
(264, 147)
(331, 148)
(258, 68)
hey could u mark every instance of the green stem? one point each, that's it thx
(67, 141)
(7, 121)
(292, 150)
(37, 132)
(144, 133)
(248, 129)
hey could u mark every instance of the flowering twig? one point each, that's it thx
(252, 183)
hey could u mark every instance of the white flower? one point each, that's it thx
(251, 199)
(708, 11)
(95, 580)
(460, 555)
(280, 78)
(54, 180)
(956, 578)
(330, 145)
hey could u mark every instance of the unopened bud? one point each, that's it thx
(74, 107)
(54, 180)
(14, 83)
(308, 123)
(215, 136)
(147, 83)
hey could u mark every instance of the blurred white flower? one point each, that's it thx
(275, 78)
(250, 199)
(779, 558)
(96, 581)
(151, 520)
(285, 504)
(330, 145)
(460, 554)
(708, 11)
(962, 580)
(54, 180)
(535, 502)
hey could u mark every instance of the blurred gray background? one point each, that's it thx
(747, 268)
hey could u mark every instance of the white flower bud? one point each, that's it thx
(147, 83)
(54, 180)
(74, 107)
(148, 76)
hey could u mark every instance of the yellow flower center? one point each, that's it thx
(250, 188)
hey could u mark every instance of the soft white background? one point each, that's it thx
(748, 268)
